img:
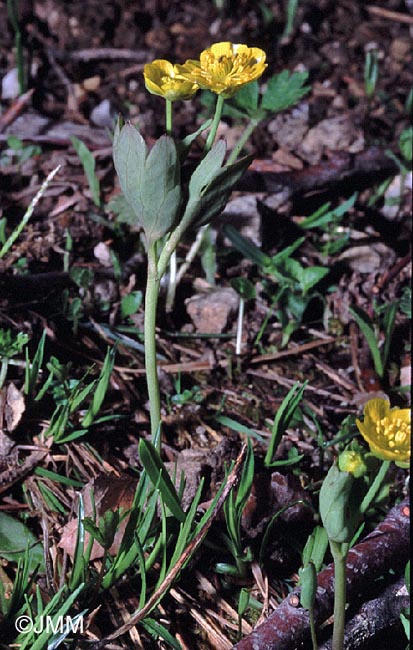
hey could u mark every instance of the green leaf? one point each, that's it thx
(284, 90)
(83, 277)
(150, 183)
(244, 288)
(161, 190)
(247, 97)
(213, 196)
(365, 324)
(285, 253)
(88, 161)
(311, 276)
(121, 209)
(10, 345)
(130, 303)
(237, 426)
(245, 483)
(101, 388)
(283, 418)
(407, 576)
(243, 601)
(315, 547)
(15, 537)
(129, 155)
(184, 145)
(33, 368)
(406, 302)
(160, 478)
(207, 170)
(323, 217)
(287, 462)
(308, 582)
(156, 630)
(405, 143)
(14, 142)
(246, 247)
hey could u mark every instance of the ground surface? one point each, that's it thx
(72, 265)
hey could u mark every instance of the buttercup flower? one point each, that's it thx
(225, 67)
(165, 79)
(387, 431)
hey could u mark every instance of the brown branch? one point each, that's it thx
(386, 547)
(373, 163)
(375, 616)
(390, 15)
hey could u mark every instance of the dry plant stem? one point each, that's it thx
(140, 614)
(239, 326)
(16, 232)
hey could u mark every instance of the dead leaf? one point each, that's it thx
(110, 493)
(12, 407)
(368, 259)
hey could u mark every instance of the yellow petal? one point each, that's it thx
(387, 431)
(224, 67)
(376, 409)
(164, 79)
(222, 49)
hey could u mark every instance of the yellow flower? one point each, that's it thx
(224, 68)
(387, 431)
(164, 79)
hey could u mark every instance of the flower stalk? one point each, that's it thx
(339, 553)
(151, 302)
(215, 123)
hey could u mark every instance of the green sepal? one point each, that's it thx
(341, 495)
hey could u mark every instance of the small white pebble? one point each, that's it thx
(10, 85)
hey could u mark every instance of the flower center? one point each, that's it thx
(395, 431)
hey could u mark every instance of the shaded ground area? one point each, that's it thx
(332, 170)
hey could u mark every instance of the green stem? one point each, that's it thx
(168, 115)
(251, 126)
(151, 301)
(375, 486)
(12, 10)
(339, 553)
(174, 239)
(215, 123)
(312, 629)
